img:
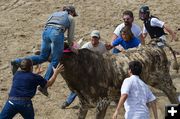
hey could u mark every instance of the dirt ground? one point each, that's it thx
(21, 24)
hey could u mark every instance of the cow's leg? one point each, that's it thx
(82, 111)
(101, 108)
(164, 82)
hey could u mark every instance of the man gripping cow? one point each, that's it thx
(52, 41)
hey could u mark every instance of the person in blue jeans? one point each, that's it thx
(23, 89)
(53, 41)
(126, 41)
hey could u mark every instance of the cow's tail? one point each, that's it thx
(175, 62)
(175, 65)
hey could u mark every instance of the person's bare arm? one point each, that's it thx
(114, 36)
(56, 70)
(173, 35)
(120, 104)
(154, 108)
(144, 35)
(142, 38)
(70, 33)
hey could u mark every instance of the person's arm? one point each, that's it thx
(161, 24)
(113, 44)
(142, 38)
(120, 104)
(116, 32)
(125, 90)
(144, 33)
(70, 34)
(114, 36)
(56, 71)
(152, 104)
(173, 35)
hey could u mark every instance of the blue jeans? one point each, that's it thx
(71, 97)
(11, 108)
(52, 45)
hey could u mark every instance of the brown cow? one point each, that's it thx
(97, 79)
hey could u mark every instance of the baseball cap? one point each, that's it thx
(95, 33)
(144, 9)
(70, 8)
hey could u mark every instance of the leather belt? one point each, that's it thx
(19, 98)
(57, 25)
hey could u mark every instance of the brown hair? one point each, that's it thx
(128, 12)
(127, 30)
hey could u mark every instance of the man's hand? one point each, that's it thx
(58, 69)
(115, 115)
(108, 46)
(174, 38)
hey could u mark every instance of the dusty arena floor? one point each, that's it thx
(21, 24)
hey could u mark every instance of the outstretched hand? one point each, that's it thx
(58, 69)
(108, 46)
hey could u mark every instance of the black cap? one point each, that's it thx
(144, 9)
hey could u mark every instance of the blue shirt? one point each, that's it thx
(126, 44)
(25, 84)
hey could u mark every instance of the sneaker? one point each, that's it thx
(43, 91)
(64, 105)
(14, 67)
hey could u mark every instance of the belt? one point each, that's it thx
(57, 25)
(19, 98)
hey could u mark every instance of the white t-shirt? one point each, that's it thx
(100, 48)
(136, 30)
(139, 95)
(154, 22)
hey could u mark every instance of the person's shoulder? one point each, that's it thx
(155, 20)
(36, 75)
(128, 80)
(101, 42)
(86, 45)
(71, 19)
(135, 25)
(120, 25)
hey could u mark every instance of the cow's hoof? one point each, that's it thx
(64, 105)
